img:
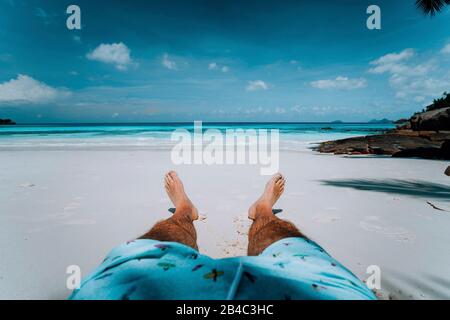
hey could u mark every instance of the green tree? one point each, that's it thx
(439, 103)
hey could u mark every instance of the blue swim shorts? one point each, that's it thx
(291, 268)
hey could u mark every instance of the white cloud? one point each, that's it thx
(409, 79)
(26, 90)
(256, 85)
(395, 63)
(117, 54)
(446, 49)
(280, 110)
(418, 88)
(298, 109)
(216, 66)
(340, 83)
(395, 57)
(169, 64)
(254, 110)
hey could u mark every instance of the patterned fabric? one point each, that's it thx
(292, 268)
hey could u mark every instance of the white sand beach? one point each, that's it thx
(60, 208)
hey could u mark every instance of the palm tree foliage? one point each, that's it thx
(431, 7)
(439, 103)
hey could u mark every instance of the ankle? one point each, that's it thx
(262, 210)
(184, 211)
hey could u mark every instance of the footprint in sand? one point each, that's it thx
(233, 248)
(374, 224)
(242, 225)
(238, 246)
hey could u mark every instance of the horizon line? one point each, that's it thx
(207, 122)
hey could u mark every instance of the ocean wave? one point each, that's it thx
(293, 136)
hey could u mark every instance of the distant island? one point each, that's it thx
(425, 135)
(4, 122)
(381, 121)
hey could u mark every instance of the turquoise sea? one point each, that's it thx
(293, 136)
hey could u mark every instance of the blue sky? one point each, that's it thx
(221, 60)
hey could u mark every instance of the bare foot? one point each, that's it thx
(274, 189)
(175, 191)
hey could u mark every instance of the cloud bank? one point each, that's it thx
(411, 76)
(116, 54)
(217, 67)
(446, 49)
(256, 85)
(26, 90)
(167, 63)
(340, 83)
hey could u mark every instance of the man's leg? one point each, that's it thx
(266, 227)
(179, 227)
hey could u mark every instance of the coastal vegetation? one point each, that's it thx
(6, 122)
(440, 103)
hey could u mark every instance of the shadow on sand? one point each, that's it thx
(405, 187)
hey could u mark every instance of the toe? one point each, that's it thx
(173, 174)
(175, 177)
(277, 177)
